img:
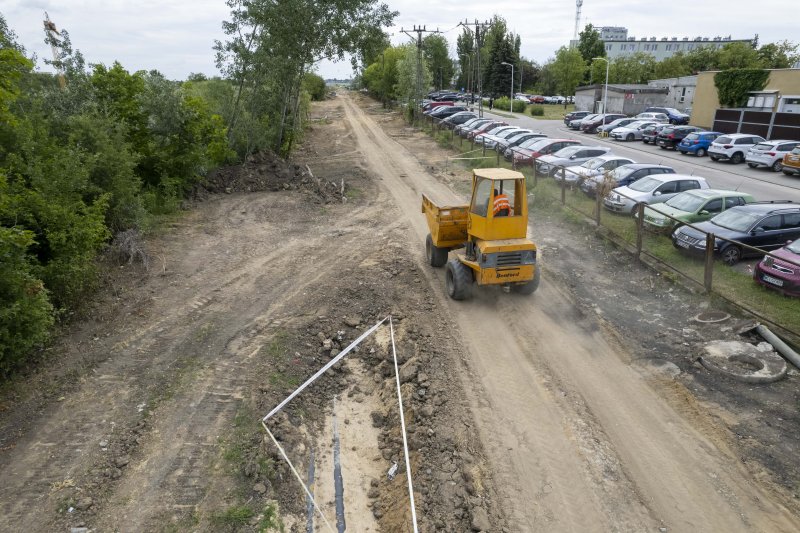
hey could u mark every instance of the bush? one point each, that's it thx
(502, 103)
(537, 111)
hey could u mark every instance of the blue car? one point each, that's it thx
(697, 143)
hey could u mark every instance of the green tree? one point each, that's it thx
(673, 67)
(465, 50)
(435, 50)
(315, 86)
(782, 54)
(13, 66)
(501, 48)
(737, 55)
(589, 43)
(568, 70)
(634, 68)
(405, 89)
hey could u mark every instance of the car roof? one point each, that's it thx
(778, 141)
(673, 177)
(739, 135)
(639, 166)
(712, 193)
(771, 206)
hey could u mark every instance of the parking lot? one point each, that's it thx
(761, 183)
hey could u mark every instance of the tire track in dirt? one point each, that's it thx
(642, 466)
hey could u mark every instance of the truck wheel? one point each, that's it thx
(435, 256)
(458, 280)
(531, 286)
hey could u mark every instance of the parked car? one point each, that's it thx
(781, 270)
(517, 139)
(624, 175)
(433, 105)
(650, 133)
(490, 141)
(575, 115)
(547, 165)
(697, 143)
(597, 166)
(675, 116)
(486, 128)
(537, 99)
(576, 123)
(472, 123)
(458, 118)
(765, 225)
(661, 118)
(791, 162)
(770, 154)
(631, 132)
(651, 190)
(619, 123)
(590, 126)
(530, 150)
(482, 137)
(733, 147)
(693, 206)
(670, 136)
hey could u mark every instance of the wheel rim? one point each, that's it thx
(701, 152)
(731, 255)
(777, 166)
(630, 137)
(737, 158)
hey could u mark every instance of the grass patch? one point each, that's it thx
(555, 112)
(353, 193)
(277, 349)
(233, 517)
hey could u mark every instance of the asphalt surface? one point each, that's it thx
(763, 184)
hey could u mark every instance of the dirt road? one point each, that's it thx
(576, 438)
(524, 413)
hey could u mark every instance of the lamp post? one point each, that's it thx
(511, 102)
(605, 90)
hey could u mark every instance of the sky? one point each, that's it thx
(176, 36)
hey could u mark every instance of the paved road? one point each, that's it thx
(761, 183)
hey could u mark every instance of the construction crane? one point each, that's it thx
(578, 4)
(54, 38)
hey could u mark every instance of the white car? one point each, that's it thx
(494, 131)
(661, 118)
(651, 190)
(631, 132)
(770, 154)
(594, 167)
(490, 141)
(733, 147)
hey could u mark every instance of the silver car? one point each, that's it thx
(480, 139)
(770, 154)
(490, 141)
(568, 157)
(651, 190)
(594, 167)
(631, 132)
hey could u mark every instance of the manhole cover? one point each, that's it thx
(709, 317)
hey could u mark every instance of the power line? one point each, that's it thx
(419, 30)
(479, 26)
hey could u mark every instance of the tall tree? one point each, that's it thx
(737, 55)
(568, 70)
(435, 50)
(783, 54)
(589, 44)
(465, 50)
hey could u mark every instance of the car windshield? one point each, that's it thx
(796, 151)
(645, 184)
(763, 147)
(672, 110)
(568, 151)
(534, 143)
(692, 137)
(686, 202)
(593, 163)
(794, 247)
(735, 220)
(621, 172)
(723, 140)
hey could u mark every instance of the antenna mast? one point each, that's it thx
(53, 37)
(578, 4)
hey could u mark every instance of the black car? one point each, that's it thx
(445, 111)
(459, 118)
(650, 133)
(625, 175)
(671, 136)
(575, 115)
(590, 126)
(765, 225)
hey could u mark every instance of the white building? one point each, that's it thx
(619, 44)
(681, 91)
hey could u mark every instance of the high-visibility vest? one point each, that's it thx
(500, 203)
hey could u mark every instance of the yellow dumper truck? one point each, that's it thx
(489, 236)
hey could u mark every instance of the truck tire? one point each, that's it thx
(531, 286)
(458, 279)
(435, 256)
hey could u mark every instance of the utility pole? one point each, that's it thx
(479, 26)
(53, 37)
(419, 30)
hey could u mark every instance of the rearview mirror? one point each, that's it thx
(703, 212)
(573, 156)
(657, 193)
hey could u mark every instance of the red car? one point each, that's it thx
(526, 155)
(778, 273)
(486, 127)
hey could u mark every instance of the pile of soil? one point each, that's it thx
(265, 171)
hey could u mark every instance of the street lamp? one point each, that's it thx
(605, 91)
(511, 102)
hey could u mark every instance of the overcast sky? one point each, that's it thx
(176, 36)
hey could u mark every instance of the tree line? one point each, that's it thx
(569, 68)
(112, 150)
